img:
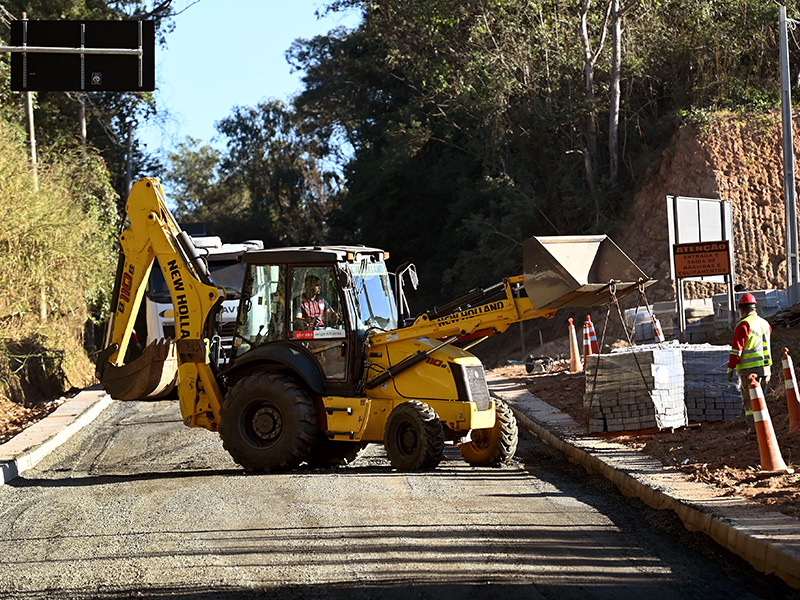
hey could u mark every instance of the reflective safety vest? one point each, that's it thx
(756, 348)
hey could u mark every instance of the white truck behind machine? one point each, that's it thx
(227, 270)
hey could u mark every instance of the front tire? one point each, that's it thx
(496, 446)
(267, 423)
(414, 437)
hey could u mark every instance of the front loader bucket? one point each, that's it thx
(152, 375)
(576, 271)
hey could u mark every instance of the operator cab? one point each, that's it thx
(320, 301)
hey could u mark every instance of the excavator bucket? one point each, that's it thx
(152, 375)
(577, 271)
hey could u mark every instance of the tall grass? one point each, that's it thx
(56, 266)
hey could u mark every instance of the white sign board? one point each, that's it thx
(694, 220)
(698, 221)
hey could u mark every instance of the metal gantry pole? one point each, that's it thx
(792, 266)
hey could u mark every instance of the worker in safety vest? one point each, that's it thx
(750, 352)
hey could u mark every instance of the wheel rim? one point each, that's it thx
(407, 438)
(266, 425)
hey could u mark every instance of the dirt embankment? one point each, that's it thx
(737, 159)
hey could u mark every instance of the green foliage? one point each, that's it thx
(56, 250)
(57, 239)
(458, 128)
(498, 88)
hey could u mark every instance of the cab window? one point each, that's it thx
(262, 316)
(316, 307)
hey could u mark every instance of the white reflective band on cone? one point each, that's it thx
(789, 384)
(761, 415)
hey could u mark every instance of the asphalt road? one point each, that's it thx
(137, 505)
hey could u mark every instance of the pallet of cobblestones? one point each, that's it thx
(635, 389)
(708, 394)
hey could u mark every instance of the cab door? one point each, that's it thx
(318, 320)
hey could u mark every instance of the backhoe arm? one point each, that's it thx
(154, 233)
(481, 320)
(559, 272)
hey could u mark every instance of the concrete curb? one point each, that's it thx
(768, 540)
(28, 448)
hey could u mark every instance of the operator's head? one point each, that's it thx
(747, 304)
(313, 287)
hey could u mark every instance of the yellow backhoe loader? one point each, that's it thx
(320, 364)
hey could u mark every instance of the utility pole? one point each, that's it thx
(792, 265)
(82, 122)
(31, 129)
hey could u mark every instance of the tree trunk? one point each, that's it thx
(613, 115)
(590, 154)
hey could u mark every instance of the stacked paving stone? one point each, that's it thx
(637, 388)
(708, 394)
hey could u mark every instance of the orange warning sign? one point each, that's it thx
(702, 259)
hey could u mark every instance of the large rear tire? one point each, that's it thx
(496, 446)
(267, 423)
(414, 437)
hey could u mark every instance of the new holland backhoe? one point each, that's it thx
(316, 388)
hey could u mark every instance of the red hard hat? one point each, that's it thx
(747, 299)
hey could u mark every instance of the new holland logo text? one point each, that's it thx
(182, 306)
(470, 312)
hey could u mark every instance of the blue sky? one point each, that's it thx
(227, 53)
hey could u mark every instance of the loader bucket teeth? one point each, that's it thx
(575, 271)
(152, 375)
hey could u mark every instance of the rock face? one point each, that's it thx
(736, 159)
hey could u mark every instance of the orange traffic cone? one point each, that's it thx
(587, 343)
(791, 393)
(595, 348)
(575, 365)
(771, 459)
(657, 333)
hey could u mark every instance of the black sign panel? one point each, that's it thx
(50, 71)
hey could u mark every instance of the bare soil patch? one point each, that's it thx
(720, 454)
(15, 418)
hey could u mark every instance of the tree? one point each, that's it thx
(590, 57)
(455, 124)
(269, 183)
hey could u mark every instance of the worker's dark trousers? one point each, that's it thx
(762, 375)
